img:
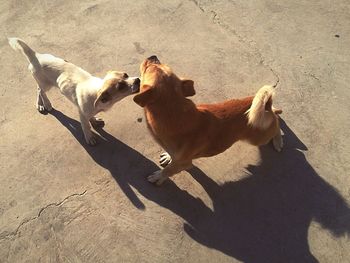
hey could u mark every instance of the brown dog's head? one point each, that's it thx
(116, 86)
(158, 81)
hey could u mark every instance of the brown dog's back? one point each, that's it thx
(223, 124)
(192, 131)
(188, 131)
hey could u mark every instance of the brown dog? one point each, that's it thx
(188, 131)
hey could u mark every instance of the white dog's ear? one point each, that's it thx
(146, 96)
(105, 94)
(103, 98)
(187, 87)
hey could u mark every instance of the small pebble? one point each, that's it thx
(337, 35)
(139, 119)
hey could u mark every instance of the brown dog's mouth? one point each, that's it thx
(153, 59)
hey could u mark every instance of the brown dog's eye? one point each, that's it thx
(125, 76)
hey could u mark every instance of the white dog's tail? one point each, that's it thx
(260, 114)
(19, 45)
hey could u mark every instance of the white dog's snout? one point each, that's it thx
(135, 85)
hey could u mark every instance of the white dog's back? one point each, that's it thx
(90, 94)
(51, 70)
(47, 62)
(20, 46)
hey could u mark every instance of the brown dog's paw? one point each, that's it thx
(156, 178)
(277, 143)
(165, 159)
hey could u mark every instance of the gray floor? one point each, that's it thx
(62, 201)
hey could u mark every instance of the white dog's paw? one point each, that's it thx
(91, 139)
(277, 143)
(48, 107)
(97, 122)
(165, 159)
(40, 108)
(157, 177)
(43, 108)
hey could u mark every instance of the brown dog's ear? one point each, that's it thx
(145, 97)
(187, 88)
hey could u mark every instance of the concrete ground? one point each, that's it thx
(63, 201)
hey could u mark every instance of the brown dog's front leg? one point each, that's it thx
(165, 159)
(174, 167)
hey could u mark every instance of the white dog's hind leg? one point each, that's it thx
(39, 103)
(42, 102)
(88, 134)
(45, 100)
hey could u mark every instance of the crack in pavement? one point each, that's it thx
(216, 20)
(198, 5)
(313, 76)
(276, 76)
(24, 222)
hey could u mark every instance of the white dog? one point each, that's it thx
(90, 94)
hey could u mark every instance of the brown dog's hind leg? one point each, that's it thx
(276, 111)
(277, 141)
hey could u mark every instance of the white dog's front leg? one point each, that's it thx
(97, 122)
(88, 134)
(39, 103)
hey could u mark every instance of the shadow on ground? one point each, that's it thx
(262, 218)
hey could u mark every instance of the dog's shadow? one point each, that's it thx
(129, 168)
(262, 218)
(266, 216)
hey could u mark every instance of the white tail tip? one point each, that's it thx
(260, 112)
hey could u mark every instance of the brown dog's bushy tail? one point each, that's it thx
(261, 112)
(19, 45)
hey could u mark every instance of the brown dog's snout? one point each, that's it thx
(153, 59)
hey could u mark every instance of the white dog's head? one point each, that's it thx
(116, 86)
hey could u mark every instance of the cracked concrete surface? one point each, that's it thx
(40, 212)
(62, 201)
